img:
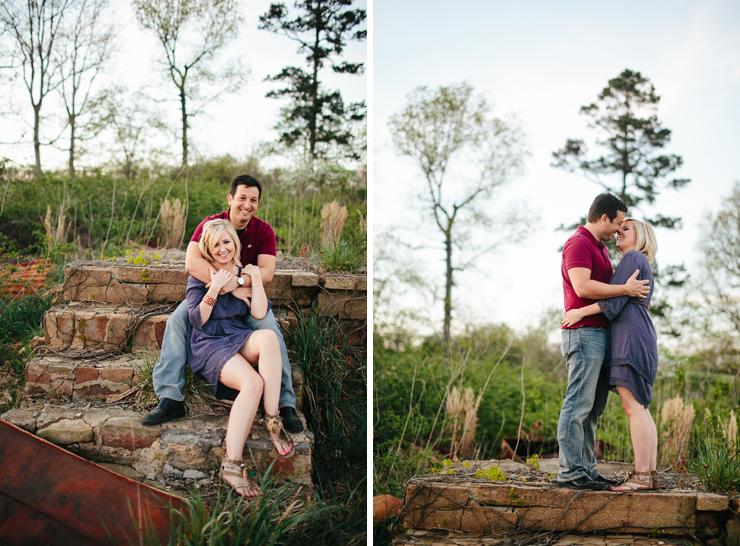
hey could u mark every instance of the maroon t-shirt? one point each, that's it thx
(583, 250)
(258, 238)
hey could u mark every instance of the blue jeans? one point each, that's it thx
(585, 399)
(169, 372)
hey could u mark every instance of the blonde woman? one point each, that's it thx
(225, 352)
(632, 350)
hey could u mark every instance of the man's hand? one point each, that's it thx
(243, 293)
(229, 287)
(636, 288)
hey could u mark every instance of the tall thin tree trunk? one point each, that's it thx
(36, 137)
(184, 126)
(72, 140)
(448, 285)
(314, 90)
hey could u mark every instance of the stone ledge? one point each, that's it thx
(115, 434)
(463, 503)
(98, 328)
(94, 378)
(421, 537)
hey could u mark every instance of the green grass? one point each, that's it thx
(280, 515)
(718, 465)
(342, 257)
(20, 320)
(107, 214)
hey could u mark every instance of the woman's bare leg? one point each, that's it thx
(653, 443)
(238, 374)
(262, 349)
(641, 429)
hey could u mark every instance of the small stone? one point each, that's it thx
(171, 471)
(193, 475)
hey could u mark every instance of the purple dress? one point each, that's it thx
(212, 344)
(632, 348)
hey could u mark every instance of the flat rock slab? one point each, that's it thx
(85, 377)
(438, 538)
(115, 434)
(462, 502)
(53, 375)
(117, 281)
(96, 328)
(139, 280)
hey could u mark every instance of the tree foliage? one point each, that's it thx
(192, 33)
(721, 249)
(440, 127)
(36, 29)
(317, 118)
(632, 137)
(86, 47)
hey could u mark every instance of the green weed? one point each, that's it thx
(718, 466)
(342, 257)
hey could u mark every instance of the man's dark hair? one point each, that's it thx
(606, 203)
(248, 181)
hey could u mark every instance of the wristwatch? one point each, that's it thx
(240, 281)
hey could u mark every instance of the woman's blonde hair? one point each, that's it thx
(212, 231)
(646, 241)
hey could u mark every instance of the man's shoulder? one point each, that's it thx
(261, 224)
(578, 240)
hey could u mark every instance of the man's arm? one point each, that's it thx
(197, 265)
(586, 287)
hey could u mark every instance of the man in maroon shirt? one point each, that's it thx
(587, 270)
(259, 248)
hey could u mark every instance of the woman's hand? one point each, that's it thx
(220, 278)
(254, 272)
(572, 317)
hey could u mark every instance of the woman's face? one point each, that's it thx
(223, 249)
(627, 237)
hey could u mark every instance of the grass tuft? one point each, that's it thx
(718, 466)
(342, 257)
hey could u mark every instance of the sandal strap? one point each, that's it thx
(274, 424)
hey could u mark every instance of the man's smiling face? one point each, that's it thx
(243, 205)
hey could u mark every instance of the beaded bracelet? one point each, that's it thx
(208, 300)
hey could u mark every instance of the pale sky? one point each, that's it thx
(235, 124)
(542, 61)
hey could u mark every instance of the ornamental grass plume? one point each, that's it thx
(462, 410)
(729, 429)
(56, 227)
(333, 218)
(677, 420)
(171, 223)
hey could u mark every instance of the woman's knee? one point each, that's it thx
(267, 341)
(253, 386)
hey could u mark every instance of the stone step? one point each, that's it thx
(100, 378)
(100, 328)
(420, 537)
(117, 281)
(532, 502)
(114, 434)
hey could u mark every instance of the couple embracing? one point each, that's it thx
(609, 343)
(226, 331)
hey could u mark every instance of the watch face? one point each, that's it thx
(240, 281)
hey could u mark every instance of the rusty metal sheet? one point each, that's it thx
(24, 277)
(51, 496)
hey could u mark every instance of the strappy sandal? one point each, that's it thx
(637, 481)
(274, 425)
(235, 468)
